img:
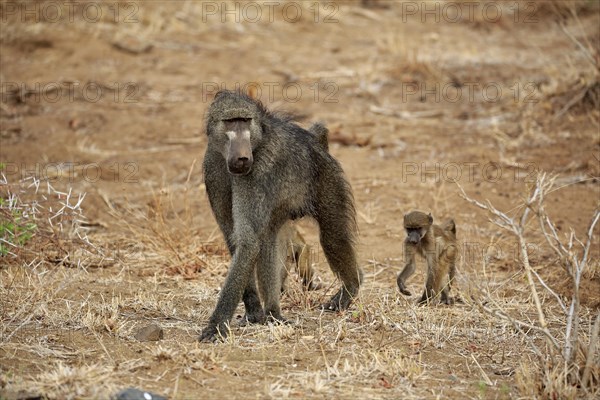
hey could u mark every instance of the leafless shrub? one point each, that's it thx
(569, 359)
(40, 223)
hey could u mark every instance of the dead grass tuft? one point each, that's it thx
(165, 231)
(72, 382)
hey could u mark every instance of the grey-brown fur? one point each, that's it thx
(287, 174)
(322, 133)
(438, 245)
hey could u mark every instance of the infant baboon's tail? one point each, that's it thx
(449, 226)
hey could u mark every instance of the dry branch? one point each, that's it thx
(574, 255)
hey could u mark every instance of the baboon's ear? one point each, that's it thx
(430, 218)
(252, 92)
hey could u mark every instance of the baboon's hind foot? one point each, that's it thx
(339, 302)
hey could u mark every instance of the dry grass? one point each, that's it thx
(66, 382)
(378, 349)
(167, 224)
(375, 350)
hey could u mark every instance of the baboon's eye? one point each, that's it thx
(234, 120)
(237, 124)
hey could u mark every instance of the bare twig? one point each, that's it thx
(522, 324)
(552, 292)
(574, 257)
(510, 225)
(586, 52)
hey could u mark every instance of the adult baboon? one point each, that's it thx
(261, 170)
(438, 245)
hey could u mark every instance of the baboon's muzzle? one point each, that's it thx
(240, 166)
(239, 149)
(240, 160)
(414, 237)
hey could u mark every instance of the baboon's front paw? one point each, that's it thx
(210, 334)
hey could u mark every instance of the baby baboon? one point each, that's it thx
(261, 170)
(438, 245)
(294, 251)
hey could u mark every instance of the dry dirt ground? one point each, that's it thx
(108, 99)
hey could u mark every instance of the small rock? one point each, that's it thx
(132, 45)
(150, 333)
(136, 394)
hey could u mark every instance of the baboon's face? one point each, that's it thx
(234, 129)
(238, 148)
(416, 224)
(414, 235)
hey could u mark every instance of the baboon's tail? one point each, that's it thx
(449, 226)
(321, 132)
